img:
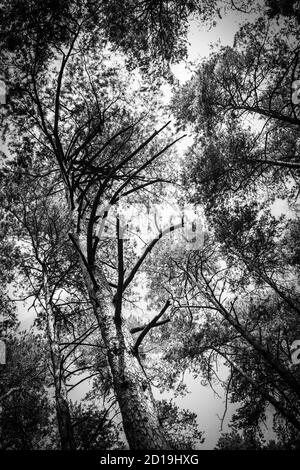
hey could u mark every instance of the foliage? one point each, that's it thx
(180, 425)
(26, 411)
(84, 126)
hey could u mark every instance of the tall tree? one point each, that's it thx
(98, 152)
(242, 104)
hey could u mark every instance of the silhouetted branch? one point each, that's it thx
(150, 325)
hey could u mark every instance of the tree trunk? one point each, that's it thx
(64, 421)
(61, 395)
(131, 386)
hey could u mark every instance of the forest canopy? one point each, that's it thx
(126, 310)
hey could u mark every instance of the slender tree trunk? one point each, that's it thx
(64, 421)
(281, 370)
(278, 405)
(131, 386)
(61, 395)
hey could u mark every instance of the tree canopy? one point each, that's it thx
(122, 313)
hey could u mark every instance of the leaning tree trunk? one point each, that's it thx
(132, 388)
(63, 415)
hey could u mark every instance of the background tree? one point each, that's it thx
(242, 104)
(241, 108)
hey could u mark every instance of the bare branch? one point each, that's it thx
(149, 326)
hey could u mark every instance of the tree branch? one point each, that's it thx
(150, 325)
(141, 328)
(84, 261)
(148, 249)
(118, 295)
(277, 163)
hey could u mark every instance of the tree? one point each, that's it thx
(242, 104)
(241, 107)
(83, 140)
(26, 412)
(180, 425)
(96, 151)
(94, 429)
(233, 441)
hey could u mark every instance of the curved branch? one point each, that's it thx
(150, 325)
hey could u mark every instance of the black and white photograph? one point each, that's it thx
(149, 229)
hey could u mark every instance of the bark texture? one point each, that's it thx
(132, 388)
(61, 395)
